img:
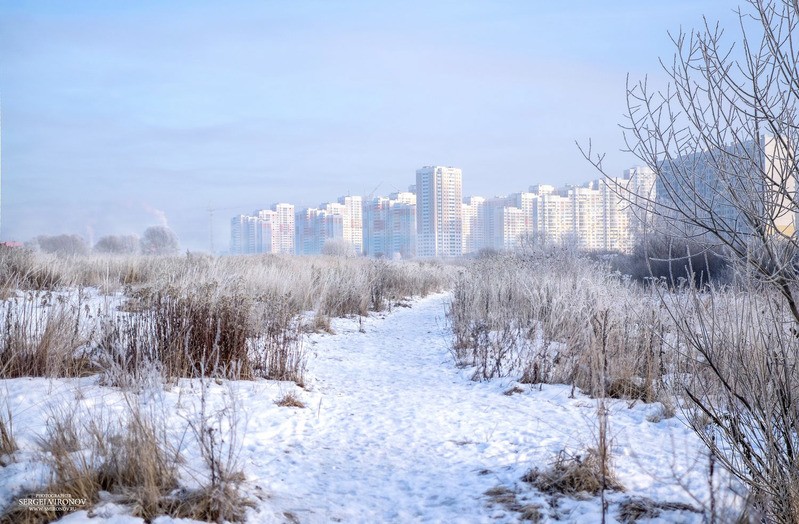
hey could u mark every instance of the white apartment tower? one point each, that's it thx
(353, 221)
(439, 219)
(473, 227)
(389, 226)
(283, 228)
(586, 220)
(265, 231)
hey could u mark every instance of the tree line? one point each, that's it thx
(156, 240)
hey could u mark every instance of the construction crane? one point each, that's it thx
(371, 195)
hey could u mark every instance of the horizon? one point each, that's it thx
(125, 115)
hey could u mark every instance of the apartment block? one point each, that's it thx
(719, 189)
(264, 231)
(352, 221)
(333, 222)
(283, 228)
(439, 217)
(389, 226)
(243, 234)
(473, 227)
(432, 219)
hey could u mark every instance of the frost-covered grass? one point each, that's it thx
(328, 285)
(236, 317)
(578, 406)
(552, 316)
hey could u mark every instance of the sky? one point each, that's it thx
(121, 115)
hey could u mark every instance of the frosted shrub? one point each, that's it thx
(737, 352)
(190, 315)
(543, 315)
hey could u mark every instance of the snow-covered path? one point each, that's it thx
(395, 433)
(399, 436)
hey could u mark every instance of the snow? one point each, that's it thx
(392, 432)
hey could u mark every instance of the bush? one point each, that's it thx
(674, 260)
(552, 316)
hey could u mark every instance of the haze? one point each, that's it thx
(120, 115)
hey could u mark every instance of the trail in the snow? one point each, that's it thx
(399, 435)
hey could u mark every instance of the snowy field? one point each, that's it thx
(392, 431)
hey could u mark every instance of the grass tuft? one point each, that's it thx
(574, 474)
(290, 400)
(633, 509)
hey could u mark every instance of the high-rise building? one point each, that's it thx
(352, 218)
(528, 203)
(375, 227)
(552, 214)
(265, 231)
(389, 226)
(627, 207)
(731, 190)
(402, 237)
(439, 218)
(244, 235)
(283, 229)
(309, 238)
(585, 205)
(333, 222)
(473, 228)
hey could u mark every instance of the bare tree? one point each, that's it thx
(722, 139)
(338, 248)
(159, 240)
(62, 244)
(722, 136)
(119, 245)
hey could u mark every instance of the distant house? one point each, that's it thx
(11, 243)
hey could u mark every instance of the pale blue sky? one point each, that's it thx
(118, 113)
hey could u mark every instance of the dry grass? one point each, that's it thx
(635, 508)
(214, 330)
(513, 391)
(335, 286)
(233, 317)
(216, 431)
(8, 442)
(290, 400)
(42, 335)
(574, 474)
(24, 269)
(508, 499)
(130, 458)
(139, 465)
(319, 324)
(221, 503)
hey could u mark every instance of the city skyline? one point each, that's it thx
(433, 219)
(117, 116)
